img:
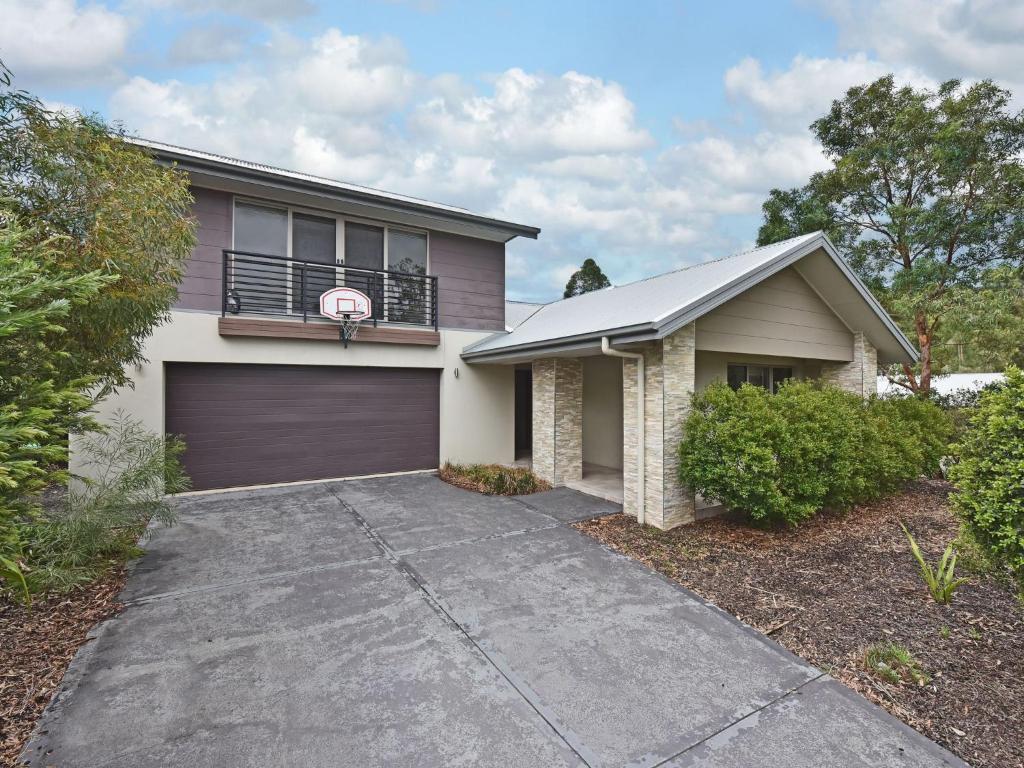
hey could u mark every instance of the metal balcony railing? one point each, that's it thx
(261, 284)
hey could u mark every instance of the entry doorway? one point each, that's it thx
(524, 414)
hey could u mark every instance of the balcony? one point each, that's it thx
(262, 284)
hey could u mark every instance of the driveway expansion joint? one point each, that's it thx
(571, 740)
(796, 690)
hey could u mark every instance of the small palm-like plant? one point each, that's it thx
(941, 581)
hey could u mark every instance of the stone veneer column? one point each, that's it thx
(558, 419)
(860, 375)
(669, 384)
(680, 364)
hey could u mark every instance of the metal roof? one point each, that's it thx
(657, 306)
(198, 159)
(517, 312)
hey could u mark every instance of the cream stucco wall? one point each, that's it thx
(477, 409)
(602, 411)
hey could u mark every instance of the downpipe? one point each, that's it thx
(641, 448)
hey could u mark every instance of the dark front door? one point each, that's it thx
(259, 424)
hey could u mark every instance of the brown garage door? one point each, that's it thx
(257, 424)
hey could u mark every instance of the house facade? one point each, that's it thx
(258, 382)
(591, 389)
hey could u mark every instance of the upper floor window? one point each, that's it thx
(362, 255)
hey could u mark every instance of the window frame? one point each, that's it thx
(339, 232)
(769, 369)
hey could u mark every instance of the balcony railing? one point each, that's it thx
(261, 284)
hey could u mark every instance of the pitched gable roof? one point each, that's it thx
(657, 306)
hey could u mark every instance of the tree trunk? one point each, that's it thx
(921, 383)
(924, 341)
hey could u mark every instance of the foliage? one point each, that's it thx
(35, 413)
(103, 204)
(989, 473)
(781, 458)
(895, 664)
(924, 195)
(799, 211)
(983, 329)
(103, 514)
(941, 580)
(493, 479)
(587, 278)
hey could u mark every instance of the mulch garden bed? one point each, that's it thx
(36, 647)
(842, 582)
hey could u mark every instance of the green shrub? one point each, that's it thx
(492, 479)
(781, 458)
(989, 473)
(100, 520)
(36, 412)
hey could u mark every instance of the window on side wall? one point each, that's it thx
(768, 377)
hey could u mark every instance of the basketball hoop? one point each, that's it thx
(349, 327)
(348, 306)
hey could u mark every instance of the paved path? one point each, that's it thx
(403, 622)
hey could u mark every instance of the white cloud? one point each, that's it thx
(752, 164)
(537, 116)
(58, 40)
(951, 38)
(347, 75)
(803, 92)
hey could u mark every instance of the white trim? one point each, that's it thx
(238, 488)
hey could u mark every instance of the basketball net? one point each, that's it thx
(349, 327)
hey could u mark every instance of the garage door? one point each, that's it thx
(257, 424)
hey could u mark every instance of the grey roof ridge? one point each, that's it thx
(810, 236)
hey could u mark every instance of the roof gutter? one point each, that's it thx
(641, 438)
(551, 346)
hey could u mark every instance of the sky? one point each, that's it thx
(644, 134)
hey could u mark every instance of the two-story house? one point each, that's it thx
(260, 386)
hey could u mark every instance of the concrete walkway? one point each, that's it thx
(403, 622)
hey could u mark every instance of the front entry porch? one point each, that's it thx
(602, 482)
(607, 425)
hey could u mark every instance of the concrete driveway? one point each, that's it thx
(403, 622)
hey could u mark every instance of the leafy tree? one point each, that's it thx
(984, 328)
(35, 412)
(103, 204)
(587, 278)
(925, 193)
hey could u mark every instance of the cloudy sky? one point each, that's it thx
(644, 134)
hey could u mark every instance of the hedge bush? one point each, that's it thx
(989, 473)
(781, 458)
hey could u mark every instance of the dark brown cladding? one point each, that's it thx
(200, 289)
(471, 272)
(471, 281)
